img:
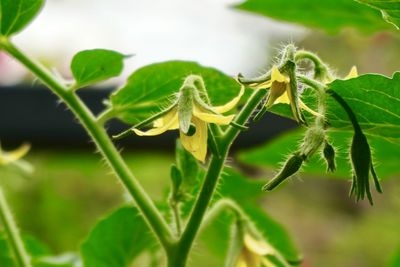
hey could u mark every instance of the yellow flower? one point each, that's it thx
(353, 73)
(281, 92)
(189, 111)
(15, 155)
(254, 253)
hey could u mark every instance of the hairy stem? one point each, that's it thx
(13, 235)
(179, 254)
(103, 143)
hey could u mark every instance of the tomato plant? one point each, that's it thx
(210, 109)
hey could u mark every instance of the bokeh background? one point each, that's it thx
(71, 188)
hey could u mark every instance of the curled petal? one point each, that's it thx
(168, 122)
(352, 74)
(231, 104)
(212, 118)
(8, 157)
(197, 143)
(263, 85)
(257, 247)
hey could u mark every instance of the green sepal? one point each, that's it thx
(291, 167)
(376, 179)
(185, 107)
(236, 243)
(329, 156)
(260, 79)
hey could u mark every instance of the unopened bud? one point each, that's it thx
(329, 155)
(291, 167)
(361, 162)
(185, 107)
(312, 141)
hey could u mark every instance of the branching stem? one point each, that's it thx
(103, 143)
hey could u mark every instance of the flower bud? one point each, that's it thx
(361, 161)
(291, 167)
(329, 155)
(185, 108)
(312, 141)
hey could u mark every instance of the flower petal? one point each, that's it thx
(231, 104)
(283, 99)
(309, 110)
(263, 85)
(168, 122)
(277, 90)
(212, 118)
(257, 247)
(277, 76)
(197, 143)
(8, 157)
(352, 74)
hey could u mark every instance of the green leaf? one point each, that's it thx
(187, 165)
(375, 99)
(215, 238)
(240, 188)
(386, 155)
(329, 15)
(245, 192)
(117, 239)
(390, 9)
(273, 232)
(151, 88)
(6, 256)
(92, 66)
(16, 14)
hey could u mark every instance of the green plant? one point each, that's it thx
(191, 98)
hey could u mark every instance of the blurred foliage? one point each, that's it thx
(329, 15)
(71, 190)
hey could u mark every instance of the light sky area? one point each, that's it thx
(210, 32)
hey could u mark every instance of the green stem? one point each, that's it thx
(347, 108)
(13, 234)
(178, 256)
(241, 119)
(177, 217)
(103, 143)
(321, 70)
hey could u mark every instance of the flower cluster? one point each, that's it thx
(190, 113)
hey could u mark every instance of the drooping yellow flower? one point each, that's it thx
(190, 112)
(281, 92)
(12, 156)
(254, 253)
